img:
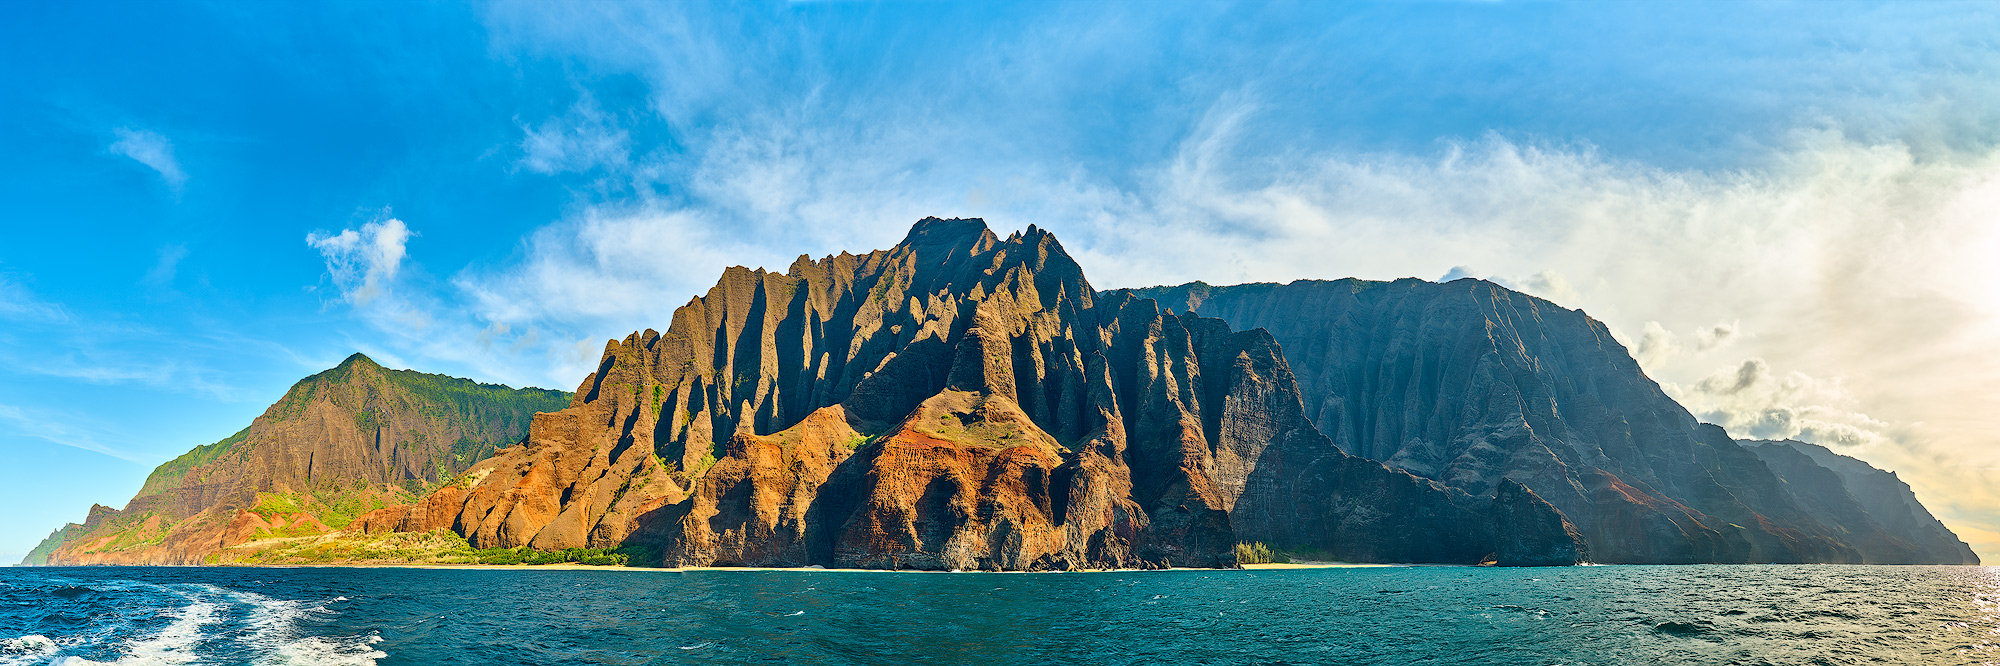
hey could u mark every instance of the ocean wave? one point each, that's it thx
(275, 635)
(173, 645)
(30, 649)
(131, 623)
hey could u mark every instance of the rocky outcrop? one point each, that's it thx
(1475, 386)
(1879, 511)
(959, 401)
(352, 438)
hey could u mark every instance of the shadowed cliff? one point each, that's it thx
(1879, 510)
(1471, 384)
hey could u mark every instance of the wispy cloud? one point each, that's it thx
(161, 275)
(54, 428)
(46, 338)
(582, 140)
(151, 149)
(19, 304)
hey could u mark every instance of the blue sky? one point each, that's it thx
(1782, 207)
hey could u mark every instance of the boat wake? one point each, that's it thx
(127, 623)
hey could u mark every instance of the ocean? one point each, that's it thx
(1776, 614)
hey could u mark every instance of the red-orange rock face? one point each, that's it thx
(964, 483)
(956, 402)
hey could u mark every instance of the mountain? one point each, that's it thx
(966, 401)
(40, 555)
(1890, 525)
(337, 445)
(1472, 385)
(959, 401)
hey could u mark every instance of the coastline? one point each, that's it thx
(586, 567)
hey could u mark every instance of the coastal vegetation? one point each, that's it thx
(434, 547)
(1256, 552)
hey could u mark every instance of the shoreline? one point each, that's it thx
(586, 567)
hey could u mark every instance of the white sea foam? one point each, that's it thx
(270, 631)
(318, 651)
(30, 649)
(275, 636)
(174, 644)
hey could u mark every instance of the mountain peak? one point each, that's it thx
(358, 359)
(938, 232)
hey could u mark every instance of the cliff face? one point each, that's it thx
(339, 443)
(958, 401)
(1890, 525)
(1474, 385)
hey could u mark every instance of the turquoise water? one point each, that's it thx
(1395, 615)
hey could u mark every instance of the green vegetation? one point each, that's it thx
(438, 547)
(169, 474)
(586, 556)
(40, 555)
(121, 531)
(466, 451)
(1258, 553)
(335, 507)
(364, 419)
(460, 397)
(493, 415)
(463, 481)
(707, 460)
(472, 399)
(270, 504)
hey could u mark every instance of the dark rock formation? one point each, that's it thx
(1473, 385)
(353, 438)
(959, 401)
(1879, 512)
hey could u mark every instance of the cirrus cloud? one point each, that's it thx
(153, 150)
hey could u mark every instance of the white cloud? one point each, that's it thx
(584, 139)
(1752, 401)
(49, 427)
(153, 150)
(363, 261)
(1657, 346)
(1716, 336)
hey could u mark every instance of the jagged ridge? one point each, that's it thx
(1471, 384)
(958, 401)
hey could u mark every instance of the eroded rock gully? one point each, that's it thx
(1477, 386)
(959, 401)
